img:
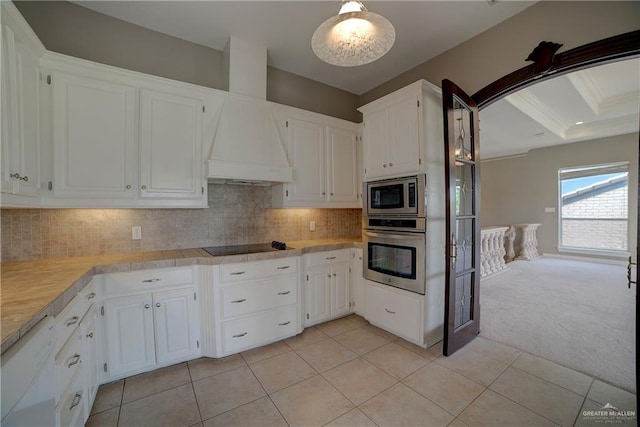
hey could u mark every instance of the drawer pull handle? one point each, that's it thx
(389, 311)
(284, 267)
(75, 360)
(240, 335)
(237, 273)
(284, 323)
(237, 301)
(90, 335)
(76, 401)
(151, 280)
(330, 257)
(92, 295)
(284, 293)
(73, 320)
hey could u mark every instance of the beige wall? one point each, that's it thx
(237, 215)
(73, 30)
(503, 48)
(517, 190)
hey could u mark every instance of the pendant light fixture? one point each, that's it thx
(353, 37)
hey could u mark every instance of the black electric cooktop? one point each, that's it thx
(245, 249)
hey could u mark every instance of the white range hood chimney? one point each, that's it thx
(247, 147)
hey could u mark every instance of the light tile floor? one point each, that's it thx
(349, 373)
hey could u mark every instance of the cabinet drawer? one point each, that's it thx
(70, 410)
(260, 329)
(67, 321)
(257, 270)
(246, 298)
(327, 258)
(394, 311)
(147, 280)
(69, 361)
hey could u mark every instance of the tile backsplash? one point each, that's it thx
(236, 215)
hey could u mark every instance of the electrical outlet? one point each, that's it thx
(312, 226)
(136, 233)
(549, 210)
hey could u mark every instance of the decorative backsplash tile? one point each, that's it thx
(236, 215)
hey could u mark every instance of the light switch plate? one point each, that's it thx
(312, 226)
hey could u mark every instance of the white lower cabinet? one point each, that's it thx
(327, 285)
(252, 304)
(397, 311)
(150, 319)
(358, 283)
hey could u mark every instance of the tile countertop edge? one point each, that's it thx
(138, 262)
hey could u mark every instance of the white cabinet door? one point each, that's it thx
(376, 140)
(318, 295)
(90, 369)
(20, 117)
(170, 146)
(404, 139)
(358, 284)
(129, 334)
(175, 324)
(307, 155)
(340, 295)
(342, 155)
(93, 138)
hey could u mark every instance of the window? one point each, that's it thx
(594, 207)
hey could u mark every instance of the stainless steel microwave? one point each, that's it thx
(398, 196)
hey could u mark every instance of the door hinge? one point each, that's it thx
(50, 186)
(307, 277)
(203, 108)
(365, 171)
(49, 79)
(418, 103)
(286, 124)
(349, 269)
(194, 297)
(197, 343)
(202, 189)
(105, 367)
(102, 310)
(307, 316)
(286, 193)
(419, 161)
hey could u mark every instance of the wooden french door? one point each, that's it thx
(462, 146)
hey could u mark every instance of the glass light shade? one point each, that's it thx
(355, 38)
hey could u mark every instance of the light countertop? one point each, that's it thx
(32, 290)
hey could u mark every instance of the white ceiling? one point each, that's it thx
(605, 98)
(424, 29)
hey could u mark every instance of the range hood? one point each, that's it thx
(248, 149)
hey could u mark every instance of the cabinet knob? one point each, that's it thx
(334, 274)
(331, 194)
(92, 295)
(90, 335)
(144, 187)
(147, 306)
(390, 165)
(25, 178)
(15, 175)
(328, 275)
(128, 187)
(157, 304)
(323, 193)
(384, 165)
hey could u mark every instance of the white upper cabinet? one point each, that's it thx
(323, 152)
(94, 142)
(21, 109)
(393, 134)
(170, 146)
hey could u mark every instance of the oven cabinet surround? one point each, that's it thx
(327, 284)
(149, 319)
(121, 139)
(75, 360)
(358, 283)
(250, 304)
(323, 152)
(398, 127)
(21, 110)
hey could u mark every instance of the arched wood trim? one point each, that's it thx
(548, 65)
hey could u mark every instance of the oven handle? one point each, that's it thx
(396, 236)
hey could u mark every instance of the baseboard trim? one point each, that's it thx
(586, 259)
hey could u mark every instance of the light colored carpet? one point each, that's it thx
(578, 314)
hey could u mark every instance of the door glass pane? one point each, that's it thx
(464, 244)
(464, 188)
(464, 300)
(464, 135)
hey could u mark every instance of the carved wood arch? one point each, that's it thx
(547, 64)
